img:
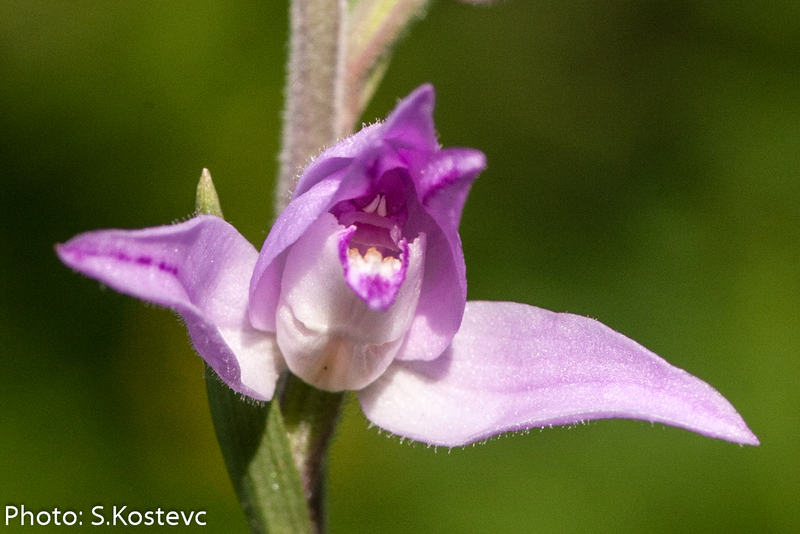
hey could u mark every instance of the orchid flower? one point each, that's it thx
(361, 285)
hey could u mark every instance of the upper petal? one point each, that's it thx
(333, 160)
(410, 124)
(513, 366)
(409, 127)
(200, 268)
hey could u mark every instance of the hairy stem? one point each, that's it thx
(310, 417)
(313, 87)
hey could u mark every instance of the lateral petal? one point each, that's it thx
(444, 183)
(265, 284)
(201, 269)
(516, 367)
(443, 294)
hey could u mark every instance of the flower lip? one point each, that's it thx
(373, 253)
(374, 264)
(373, 232)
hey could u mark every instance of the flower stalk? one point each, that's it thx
(310, 417)
(276, 452)
(258, 452)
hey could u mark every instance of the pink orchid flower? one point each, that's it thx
(361, 285)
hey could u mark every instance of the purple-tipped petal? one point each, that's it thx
(337, 157)
(374, 278)
(200, 268)
(409, 126)
(442, 187)
(444, 183)
(514, 367)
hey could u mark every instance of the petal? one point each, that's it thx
(444, 290)
(516, 367)
(200, 268)
(443, 185)
(337, 157)
(376, 149)
(291, 224)
(319, 169)
(410, 124)
(321, 321)
(375, 279)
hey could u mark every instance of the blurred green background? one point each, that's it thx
(643, 170)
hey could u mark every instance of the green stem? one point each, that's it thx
(258, 456)
(277, 468)
(277, 458)
(310, 417)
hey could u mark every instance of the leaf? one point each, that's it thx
(259, 459)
